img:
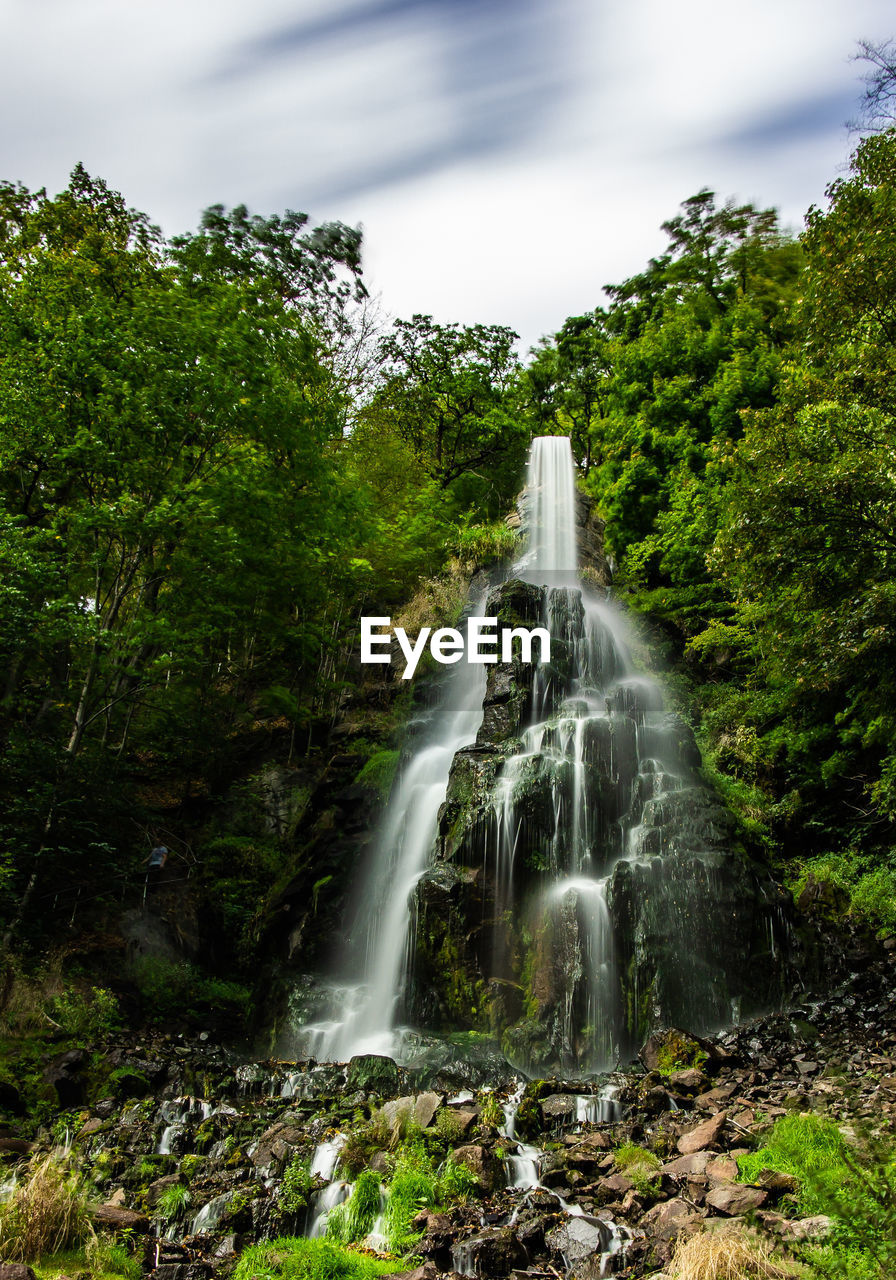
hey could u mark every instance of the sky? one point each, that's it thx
(506, 158)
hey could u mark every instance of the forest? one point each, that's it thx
(217, 456)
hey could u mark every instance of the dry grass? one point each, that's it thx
(46, 1213)
(438, 602)
(726, 1257)
(24, 1000)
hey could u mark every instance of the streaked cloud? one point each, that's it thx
(506, 157)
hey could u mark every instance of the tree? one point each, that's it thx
(450, 391)
(169, 495)
(877, 111)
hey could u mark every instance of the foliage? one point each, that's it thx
(854, 1182)
(46, 1212)
(177, 989)
(91, 1015)
(352, 1220)
(172, 1201)
(295, 1258)
(295, 1186)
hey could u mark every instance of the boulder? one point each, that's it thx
(489, 1172)
(665, 1220)
(735, 1199)
(494, 1252)
(613, 1188)
(420, 1108)
(118, 1219)
(690, 1081)
(705, 1135)
(674, 1050)
(16, 1271)
(373, 1073)
(577, 1240)
(67, 1074)
(277, 1143)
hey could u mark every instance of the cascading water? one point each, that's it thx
(550, 868)
(582, 880)
(369, 1003)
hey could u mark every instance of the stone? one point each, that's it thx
(800, 1229)
(692, 1080)
(705, 1135)
(16, 1271)
(67, 1075)
(93, 1125)
(613, 1188)
(494, 1252)
(559, 1106)
(420, 1108)
(734, 1200)
(155, 1189)
(373, 1073)
(118, 1219)
(665, 1220)
(489, 1172)
(577, 1240)
(777, 1184)
(675, 1046)
(688, 1166)
(277, 1143)
(426, 1272)
(722, 1169)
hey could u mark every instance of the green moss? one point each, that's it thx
(379, 772)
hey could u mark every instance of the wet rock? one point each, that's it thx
(16, 1147)
(578, 1239)
(278, 1143)
(155, 1189)
(373, 1073)
(559, 1106)
(735, 1200)
(675, 1046)
(426, 1272)
(91, 1126)
(703, 1136)
(493, 1252)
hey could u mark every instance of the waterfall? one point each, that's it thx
(550, 868)
(368, 1004)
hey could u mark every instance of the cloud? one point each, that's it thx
(506, 157)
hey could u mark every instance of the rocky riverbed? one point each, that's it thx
(189, 1145)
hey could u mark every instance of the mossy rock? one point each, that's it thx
(373, 1073)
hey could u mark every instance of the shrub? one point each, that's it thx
(90, 1014)
(295, 1189)
(47, 1212)
(176, 989)
(457, 1182)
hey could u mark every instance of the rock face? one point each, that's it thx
(586, 886)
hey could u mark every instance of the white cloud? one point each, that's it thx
(506, 160)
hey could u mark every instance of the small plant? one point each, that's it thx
(449, 1126)
(353, 1219)
(490, 1114)
(112, 1257)
(295, 1189)
(639, 1165)
(172, 1201)
(457, 1182)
